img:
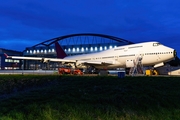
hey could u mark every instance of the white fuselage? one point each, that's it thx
(152, 53)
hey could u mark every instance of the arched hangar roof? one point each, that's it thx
(53, 40)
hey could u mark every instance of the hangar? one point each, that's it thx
(9, 63)
(72, 44)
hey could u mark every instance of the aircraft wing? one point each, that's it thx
(61, 60)
(40, 59)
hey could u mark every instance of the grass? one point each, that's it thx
(53, 97)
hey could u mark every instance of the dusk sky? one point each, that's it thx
(25, 23)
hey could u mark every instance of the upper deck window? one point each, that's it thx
(156, 44)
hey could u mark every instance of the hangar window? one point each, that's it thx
(91, 48)
(12, 61)
(105, 47)
(101, 48)
(95, 48)
(82, 49)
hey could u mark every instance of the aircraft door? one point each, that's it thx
(129, 63)
(140, 56)
(125, 49)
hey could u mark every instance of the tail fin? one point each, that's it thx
(6, 55)
(59, 51)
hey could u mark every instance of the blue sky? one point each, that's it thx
(25, 23)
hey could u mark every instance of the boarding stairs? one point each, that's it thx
(138, 67)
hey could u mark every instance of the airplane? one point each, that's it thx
(148, 53)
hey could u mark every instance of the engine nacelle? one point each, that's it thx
(80, 65)
(45, 60)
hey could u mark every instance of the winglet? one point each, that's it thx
(6, 55)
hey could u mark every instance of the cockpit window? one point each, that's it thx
(156, 44)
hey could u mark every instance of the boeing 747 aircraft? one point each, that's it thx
(148, 53)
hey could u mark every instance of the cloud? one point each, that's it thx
(36, 21)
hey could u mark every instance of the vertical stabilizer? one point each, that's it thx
(59, 51)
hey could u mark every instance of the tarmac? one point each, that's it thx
(28, 71)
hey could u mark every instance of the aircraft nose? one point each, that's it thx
(174, 53)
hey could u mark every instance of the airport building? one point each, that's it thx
(9, 63)
(73, 44)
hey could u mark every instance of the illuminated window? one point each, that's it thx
(49, 50)
(30, 51)
(100, 48)
(91, 48)
(41, 51)
(34, 51)
(82, 49)
(115, 46)
(37, 51)
(16, 61)
(110, 46)
(77, 49)
(69, 49)
(45, 51)
(27, 51)
(11, 60)
(65, 50)
(53, 50)
(105, 47)
(73, 50)
(86, 48)
(95, 48)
